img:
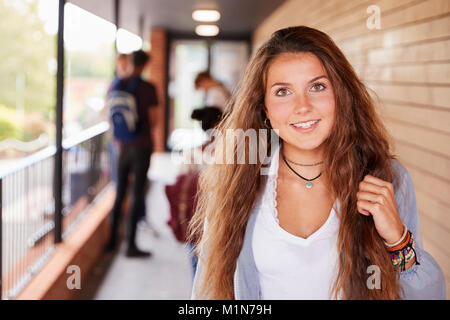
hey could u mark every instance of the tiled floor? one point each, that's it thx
(165, 275)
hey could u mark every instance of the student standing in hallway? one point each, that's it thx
(122, 71)
(134, 151)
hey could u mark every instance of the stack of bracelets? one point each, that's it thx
(402, 252)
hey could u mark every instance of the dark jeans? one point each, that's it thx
(112, 150)
(135, 160)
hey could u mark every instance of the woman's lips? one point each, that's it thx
(305, 130)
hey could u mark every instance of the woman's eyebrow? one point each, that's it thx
(317, 78)
(288, 84)
(280, 84)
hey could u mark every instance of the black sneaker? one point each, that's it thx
(135, 252)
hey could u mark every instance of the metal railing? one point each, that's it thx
(27, 203)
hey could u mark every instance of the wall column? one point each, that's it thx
(158, 75)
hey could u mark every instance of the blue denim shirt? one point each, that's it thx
(421, 281)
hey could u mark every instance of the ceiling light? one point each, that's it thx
(206, 15)
(206, 30)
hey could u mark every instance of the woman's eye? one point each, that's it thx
(318, 87)
(282, 92)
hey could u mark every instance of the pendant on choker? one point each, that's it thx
(308, 181)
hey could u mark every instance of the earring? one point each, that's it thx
(267, 123)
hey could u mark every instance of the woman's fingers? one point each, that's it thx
(369, 187)
(366, 196)
(373, 202)
(381, 184)
(385, 190)
(367, 207)
(377, 198)
(370, 196)
(373, 194)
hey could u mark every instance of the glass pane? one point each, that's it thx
(228, 61)
(27, 76)
(89, 45)
(187, 59)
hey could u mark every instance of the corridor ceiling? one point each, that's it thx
(239, 17)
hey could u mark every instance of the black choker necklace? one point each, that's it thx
(305, 165)
(308, 184)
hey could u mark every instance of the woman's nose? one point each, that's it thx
(302, 104)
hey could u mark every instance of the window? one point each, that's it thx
(89, 54)
(27, 76)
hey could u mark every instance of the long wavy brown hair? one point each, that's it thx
(358, 145)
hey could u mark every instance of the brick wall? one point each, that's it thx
(158, 75)
(82, 248)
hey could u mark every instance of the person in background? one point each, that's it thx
(122, 70)
(134, 155)
(216, 93)
(181, 195)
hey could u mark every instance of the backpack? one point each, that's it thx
(122, 106)
(182, 202)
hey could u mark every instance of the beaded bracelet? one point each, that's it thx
(400, 243)
(403, 253)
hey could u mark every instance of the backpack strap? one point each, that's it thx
(133, 83)
(115, 84)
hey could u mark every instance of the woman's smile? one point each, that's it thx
(305, 126)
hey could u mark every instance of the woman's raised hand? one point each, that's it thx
(376, 197)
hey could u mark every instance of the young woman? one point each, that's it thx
(336, 217)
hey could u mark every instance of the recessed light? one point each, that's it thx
(206, 15)
(207, 30)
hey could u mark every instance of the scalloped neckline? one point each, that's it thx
(270, 196)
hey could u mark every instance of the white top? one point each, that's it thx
(217, 97)
(291, 267)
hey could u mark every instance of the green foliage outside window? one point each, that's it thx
(26, 56)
